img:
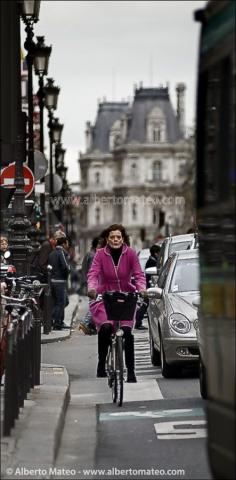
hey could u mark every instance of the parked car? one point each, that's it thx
(173, 319)
(172, 244)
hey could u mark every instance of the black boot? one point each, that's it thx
(104, 339)
(129, 354)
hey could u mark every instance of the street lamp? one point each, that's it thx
(41, 60)
(55, 132)
(30, 15)
(30, 9)
(59, 155)
(51, 93)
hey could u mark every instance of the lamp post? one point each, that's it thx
(51, 93)
(62, 170)
(55, 132)
(30, 15)
(41, 61)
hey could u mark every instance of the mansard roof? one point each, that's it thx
(145, 100)
(108, 113)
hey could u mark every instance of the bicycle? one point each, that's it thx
(118, 306)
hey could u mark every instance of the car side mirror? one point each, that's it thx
(155, 292)
(196, 302)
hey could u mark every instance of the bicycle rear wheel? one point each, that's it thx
(119, 372)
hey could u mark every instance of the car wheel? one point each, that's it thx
(168, 371)
(154, 354)
(202, 379)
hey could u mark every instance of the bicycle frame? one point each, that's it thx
(115, 368)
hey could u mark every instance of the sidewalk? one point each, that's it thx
(35, 439)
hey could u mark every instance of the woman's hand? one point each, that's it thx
(92, 293)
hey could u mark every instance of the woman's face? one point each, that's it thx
(3, 245)
(115, 239)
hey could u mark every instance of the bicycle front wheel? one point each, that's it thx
(119, 377)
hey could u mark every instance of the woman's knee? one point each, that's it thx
(106, 329)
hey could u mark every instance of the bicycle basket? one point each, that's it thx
(120, 305)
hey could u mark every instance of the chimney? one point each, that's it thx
(180, 92)
(88, 136)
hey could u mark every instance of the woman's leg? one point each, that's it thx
(129, 354)
(104, 339)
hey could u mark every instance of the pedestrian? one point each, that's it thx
(40, 261)
(87, 325)
(141, 311)
(58, 259)
(112, 270)
(3, 248)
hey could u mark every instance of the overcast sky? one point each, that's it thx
(101, 49)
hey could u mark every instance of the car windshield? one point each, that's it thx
(186, 276)
(176, 247)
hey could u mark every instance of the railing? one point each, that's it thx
(21, 350)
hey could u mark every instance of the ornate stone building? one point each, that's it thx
(135, 169)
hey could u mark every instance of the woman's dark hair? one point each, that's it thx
(61, 241)
(116, 226)
(94, 243)
(155, 249)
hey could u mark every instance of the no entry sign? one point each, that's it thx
(7, 178)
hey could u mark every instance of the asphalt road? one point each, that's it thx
(158, 433)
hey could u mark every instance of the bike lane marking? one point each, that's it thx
(139, 415)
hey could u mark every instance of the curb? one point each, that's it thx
(37, 433)
(58, 336)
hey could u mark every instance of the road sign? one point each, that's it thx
(7, 178)
(40, 165)
(57, 183)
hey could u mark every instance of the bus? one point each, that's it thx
(215, 150)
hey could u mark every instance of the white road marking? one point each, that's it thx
(167, 430)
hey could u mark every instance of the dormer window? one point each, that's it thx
(157, 171)
(156, 126)
(115, 135)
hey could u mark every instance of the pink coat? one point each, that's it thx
(104, 276)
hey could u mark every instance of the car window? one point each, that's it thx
(164, 273)
(185, 277)
(176, 247)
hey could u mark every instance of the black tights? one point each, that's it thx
(104, 339)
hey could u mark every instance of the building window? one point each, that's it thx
(134, 211)
(157, 171)
(134, 170)
(97, 215)
(156, 134)
(156, 126)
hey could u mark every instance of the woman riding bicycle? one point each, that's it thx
(112, 269)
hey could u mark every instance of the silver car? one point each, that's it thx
(173, 319)
(172, 244)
